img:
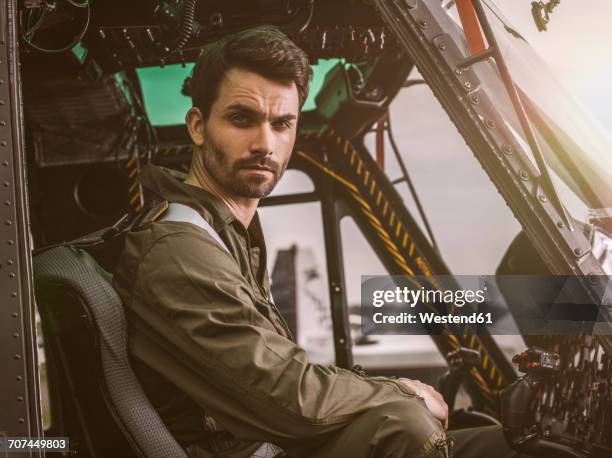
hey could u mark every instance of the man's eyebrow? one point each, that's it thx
(285, 117)
(243, 108)
(251, 111)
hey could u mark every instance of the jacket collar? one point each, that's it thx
(168, 184)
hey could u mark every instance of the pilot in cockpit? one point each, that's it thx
(208, 345)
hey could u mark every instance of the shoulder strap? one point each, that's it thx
(186, 214)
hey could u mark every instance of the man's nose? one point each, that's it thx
(263, 143)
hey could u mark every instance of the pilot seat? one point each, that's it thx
(96, 400)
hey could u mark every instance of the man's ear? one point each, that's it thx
(195, 125)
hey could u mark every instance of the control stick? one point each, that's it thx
(517, 408)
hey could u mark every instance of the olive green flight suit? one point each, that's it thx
(218, 362)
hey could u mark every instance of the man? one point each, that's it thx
(208, 345)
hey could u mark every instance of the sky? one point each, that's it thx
(471, 222)
(576, 46)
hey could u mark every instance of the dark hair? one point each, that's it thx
(264, 50)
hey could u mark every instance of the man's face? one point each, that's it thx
(247, 140)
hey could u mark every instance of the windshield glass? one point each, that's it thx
(575, 146)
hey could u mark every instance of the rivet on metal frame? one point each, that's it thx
(542, 198)
(507, 149)
(577, 251)
(422, 23)
(524, 175)
(490, 124)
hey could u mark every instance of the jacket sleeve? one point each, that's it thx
(207, 337)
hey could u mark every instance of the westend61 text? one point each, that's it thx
(432, 318)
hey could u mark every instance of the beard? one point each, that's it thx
(229, 175)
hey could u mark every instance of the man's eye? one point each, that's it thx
(283, 124)
(240, 119)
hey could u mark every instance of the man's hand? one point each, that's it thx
(433, 400)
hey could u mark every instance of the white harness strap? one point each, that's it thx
(186, 214)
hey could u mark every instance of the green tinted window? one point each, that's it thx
(161, 89)
(166, 105)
